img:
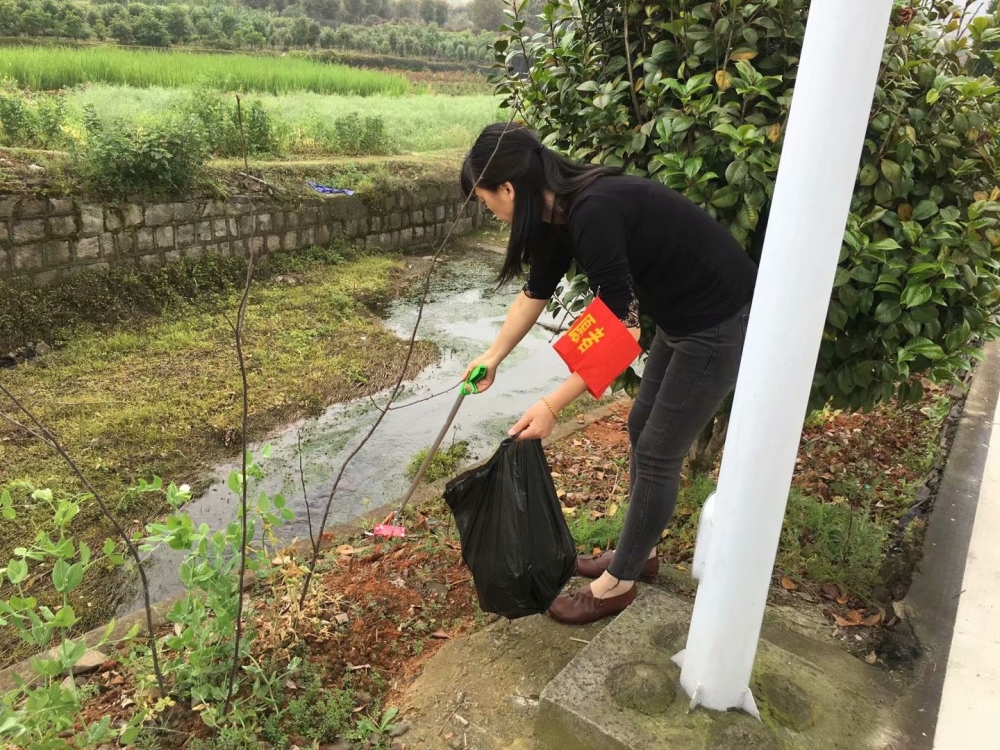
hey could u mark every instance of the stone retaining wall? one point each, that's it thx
(46, 238)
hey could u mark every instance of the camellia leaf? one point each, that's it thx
(916, 295)
(892, 171)
(887, 312)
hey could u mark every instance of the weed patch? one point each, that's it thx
(446, 462)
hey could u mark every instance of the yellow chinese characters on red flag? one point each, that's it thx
(598, 347)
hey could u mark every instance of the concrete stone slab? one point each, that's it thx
(622, 692)
(498, 673)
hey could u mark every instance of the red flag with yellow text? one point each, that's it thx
(598, 347)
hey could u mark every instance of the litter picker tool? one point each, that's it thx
(392, 527)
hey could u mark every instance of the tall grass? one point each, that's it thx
(413, 123)
(49, 68)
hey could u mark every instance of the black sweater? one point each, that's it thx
(639, 242)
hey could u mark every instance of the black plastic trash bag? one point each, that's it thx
(514, 536)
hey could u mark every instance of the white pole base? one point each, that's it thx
(705, 525)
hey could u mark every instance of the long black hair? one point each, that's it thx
(514, 154)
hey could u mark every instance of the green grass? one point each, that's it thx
(413, 123)
(833, 543)
(445, 464)
(50, 68)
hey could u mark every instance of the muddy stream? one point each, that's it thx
(462, 316)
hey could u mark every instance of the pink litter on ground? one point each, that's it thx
(387, 530)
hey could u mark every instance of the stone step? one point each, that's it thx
(622, 692)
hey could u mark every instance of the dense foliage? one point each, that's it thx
(697, 96)
(415, 28)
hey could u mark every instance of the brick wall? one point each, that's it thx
(46, 238)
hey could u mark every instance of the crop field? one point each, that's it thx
(53, 68)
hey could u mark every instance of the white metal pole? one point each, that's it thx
(819, 164)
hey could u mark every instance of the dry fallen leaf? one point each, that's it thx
(788, 584)
(842, 622)
(568, 511)
(341, 618)
(873, 620)
(829, 592)
(449, 735)
(855, 617)
(871, 658)
(597, 551)
(345, 549)
(842, 600)
(440, 635)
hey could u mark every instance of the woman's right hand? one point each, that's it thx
(491, 364)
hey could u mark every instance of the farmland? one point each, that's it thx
(107, 109)
(50, 68)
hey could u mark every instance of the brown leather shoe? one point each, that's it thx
(593, 566)
(583, 607)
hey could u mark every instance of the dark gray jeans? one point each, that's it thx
(684, 383)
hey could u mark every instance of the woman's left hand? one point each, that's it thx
(536, 424)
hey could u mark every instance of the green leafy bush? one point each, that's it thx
(217, 117)
(702, 107)
(120, 159)
(357, 136)
(31, 120)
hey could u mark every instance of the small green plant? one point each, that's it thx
(446, 462)
(375, 729)
(589, 532)
(46, 713)
(199, 654)
(319, 714)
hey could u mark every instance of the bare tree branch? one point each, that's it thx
(46, 435)
(238, 336)
(302, 479)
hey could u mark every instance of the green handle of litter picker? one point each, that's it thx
(469, 387)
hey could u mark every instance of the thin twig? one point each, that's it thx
(238, 336)
(268, 185)
(25, 428)
(302, 479)
(243, 135)
(408, 404)
(51, 439)
(402, 373)
(631, 73)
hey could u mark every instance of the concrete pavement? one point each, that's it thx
(970, 702)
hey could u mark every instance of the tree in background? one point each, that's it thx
(354, 10)
(178, 23)
(441, 9)
(487, 14)
(305, 32)
(149, 31)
